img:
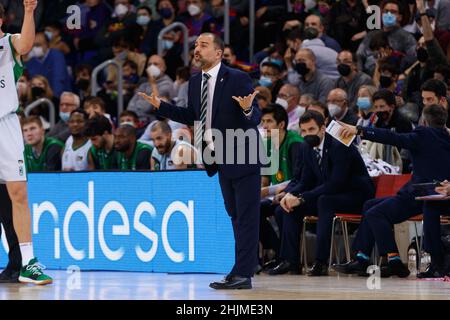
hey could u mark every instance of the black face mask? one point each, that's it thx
(385, 82)
(311, 33)
(383, 116)
(344, 69)
(301, 68)
(312, 140)
(37, 92)
(83, 84)
(422, 54)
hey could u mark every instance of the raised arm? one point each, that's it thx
(24, 41)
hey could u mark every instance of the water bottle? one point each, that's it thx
(412, 261)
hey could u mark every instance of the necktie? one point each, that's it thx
(203, 108)
(318, 157)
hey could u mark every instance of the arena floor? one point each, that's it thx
(153, 286)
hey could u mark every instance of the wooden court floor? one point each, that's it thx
(153, 286)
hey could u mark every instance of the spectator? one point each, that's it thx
(157, 79)
(307, 77)
(41, 153)
(347, 21)
(315, 22)
(197, 17)
(271, 77)
(387, 77)
(166, 149)
(40, 88)
(305, 100)
(321, 108)
(288, 98)
(83, 81)
(130, 80)
(75, 155)
(130, 118)
(338, 106)
(435, 92)
(351, 79)
(68, 103)
(49, 63)
(131, 154)
(95, 106)
(101, 155)
(399, 39)
(172, 51)
(53, 32)
(364, 104)
(264, 96)
(181, 86)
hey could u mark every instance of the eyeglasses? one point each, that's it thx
(283, 96)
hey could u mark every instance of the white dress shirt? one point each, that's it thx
(213, 73)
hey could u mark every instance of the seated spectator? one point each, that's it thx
(315, 22)
(321, 108)
(308, 78)
(50, 63)
(351, 79)
(101, 155)
(53, 32)
(173, 51)
(131, 154)
(130, 80)
(230, 59)
(197, 17)
(83, 81)
(435, 92)
(364, 103)
(271, 77)
(68, 103)
(40, 88)
(41, 153)
(157, 79)
(166, 149)
(130, 118)
(338, 107)
(96, 107)
(288, 98)
(334, 179)
(75, 155)
(264, 96)
(305, 100)
(23, 84)
(399, 39)
(180, 86)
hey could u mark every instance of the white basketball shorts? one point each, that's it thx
(12, 164)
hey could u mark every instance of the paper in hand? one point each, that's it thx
(334, 129)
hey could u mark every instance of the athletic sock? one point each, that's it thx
(393, 256)
(361, 256)
(26, 249)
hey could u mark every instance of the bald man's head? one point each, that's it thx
(157, 61)
(125, 138)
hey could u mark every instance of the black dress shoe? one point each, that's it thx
(282, 268)
(232, 282)
(318, 269)
(357, 266)
(394, 268)
(270, 264)
(9, 276)
(432, 271)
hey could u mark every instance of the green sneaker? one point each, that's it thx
(32, 273)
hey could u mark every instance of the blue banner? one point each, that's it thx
(132, 221)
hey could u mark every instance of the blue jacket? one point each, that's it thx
(342, 171)
(429, 149)
(226, 114)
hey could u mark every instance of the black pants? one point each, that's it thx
(267, 235)
(6, 219)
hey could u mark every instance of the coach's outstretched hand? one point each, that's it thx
(152, 99)
(246, 102)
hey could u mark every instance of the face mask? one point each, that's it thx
(83, 84)
(122, 55)
(344, 69)
(37, 92)
(194, 9)
(309, 4)
(166, 13)
(49, 35)
(218, 12)
(265, 81)
(36, 52)
(311, 33)
(363, 103)
(143, 20)
(64, 116)
(312, 140)
(167, 44)
(121, 10)
(389, 20)
(282, 102)
(383, 115)
(301, 68)
(154, 71)
(385, 82)
(334, 110)
(323, 10)
(422, 54)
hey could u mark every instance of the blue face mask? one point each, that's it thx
(143, 20)
(49, 35)
(265, 81)
(64, 116)
(166, 13)
(167, 44)
(363, 103)
(389, 20)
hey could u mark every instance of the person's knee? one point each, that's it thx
(18, 193)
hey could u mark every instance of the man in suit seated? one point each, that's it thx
(334, 179)
(429, 146)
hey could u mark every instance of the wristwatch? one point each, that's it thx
(247, 111)
(300, 197)
(423, 14)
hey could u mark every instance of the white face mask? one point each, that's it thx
(334, 109)
(282, 102)
(154, 71)
(301, 110)
(121, 10)
(36, 52)
(193, 9)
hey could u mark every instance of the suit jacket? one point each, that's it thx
(226, 114)
(429, 149)
(342, 170)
